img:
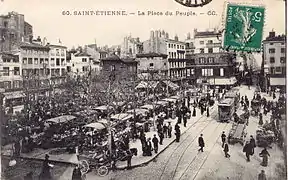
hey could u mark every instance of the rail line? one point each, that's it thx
(205, 159)
(213, 114)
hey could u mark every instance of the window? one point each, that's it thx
(283, 50)
(151, 64)
(202, 60)
(16, 59)
(24, 60)
(62, 62)
(52, 61)
(210, 59)
(57, 62)
(210, 41)
(169, 45)
(7, 84)
(282, 60)
(272, 60)
(192, 71)
(272, 70)
(201, 42)
(5, 71)
(24, 72)
(84, 59)
(35, 60)
(221, 72)
(17, 84)
(16, 71)
(46, 60)
(57, 52)
(41, 60)
(62, 52)
(271, 43)
(272, 50)
(169, 54)
(164, 64)
(30, 61)
(278, 70)
(6, 60)
(201, 50)
(210, 50)
(177, 46)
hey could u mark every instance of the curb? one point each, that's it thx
(148, 161)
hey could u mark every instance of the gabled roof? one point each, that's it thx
(207, 33)
(82, 54)
(114, 57)
(32, 45)
(151, 55)
(276, 38)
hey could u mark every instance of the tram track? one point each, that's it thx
(187, 169)
(213, 114)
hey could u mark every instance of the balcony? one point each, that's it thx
(213, 45)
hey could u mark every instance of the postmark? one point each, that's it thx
(193, 3)
(244, 27)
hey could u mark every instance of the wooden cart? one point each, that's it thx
(237, 134)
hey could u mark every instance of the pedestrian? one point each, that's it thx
(165, 130)
(262, 175)
(45, 173)
(161, 137)
(179, 115)
(201, 143)
(264, 154)
(77, 174)
(208, 112)
(261, 118)
(169, 130)
(223, 138)
(185, 116)
(194, 112)
(129, 158)
(248, 150)
(177, 132)
(155, 142)
(274, 95)
(149, 147)
(226, 150)
(252, 142)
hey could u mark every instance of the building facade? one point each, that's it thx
(274, 54)
(160, 43)
(131, 46)
(119, 67)
(14, 29)
(152, 63)
(208, 63)
(81, 63)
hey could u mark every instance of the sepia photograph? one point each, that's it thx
(143, 90)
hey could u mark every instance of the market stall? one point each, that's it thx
(226, 110)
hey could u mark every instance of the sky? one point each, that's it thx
(47, 19)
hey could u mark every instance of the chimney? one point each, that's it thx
(272, 34)
(176, 38)
(38, 39)
(167, 36)
(152, 34)
(30, 39)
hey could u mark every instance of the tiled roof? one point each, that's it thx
(207, 33)
(151, 55)
(32, 45)
(82, 54)
(276, 38)
(112, 57)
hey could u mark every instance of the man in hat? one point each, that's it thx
(155, 142)
(45, 173)
(223, 138)
(201, 143)
(169, 128)
(77, 174)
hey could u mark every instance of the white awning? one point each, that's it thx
(277, 81)
(122, 116)
(61, 119)
(222, 81)
(96, 126)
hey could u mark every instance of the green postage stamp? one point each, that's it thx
(244, 27)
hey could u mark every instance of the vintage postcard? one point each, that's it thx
(143, 90)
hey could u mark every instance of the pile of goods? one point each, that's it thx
(264, 137)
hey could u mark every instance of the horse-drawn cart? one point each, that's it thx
(237, 134)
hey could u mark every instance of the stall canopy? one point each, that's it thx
(147, 106)
(122, 116)
(61, 119)
(222, 81)
(86, 113)
(169, 100)
(102, 108)
(14, 95)
(138, 111)
(175, 97)
(147, 85)
(162, 103)
(172, 85)
(96, 126)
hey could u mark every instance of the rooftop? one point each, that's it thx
(114, 57)
(207, 33)
(151, 55)
(32, 45)
(82, 54)
(276, 38)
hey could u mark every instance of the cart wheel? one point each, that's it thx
(103, 171)
(84, 166)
